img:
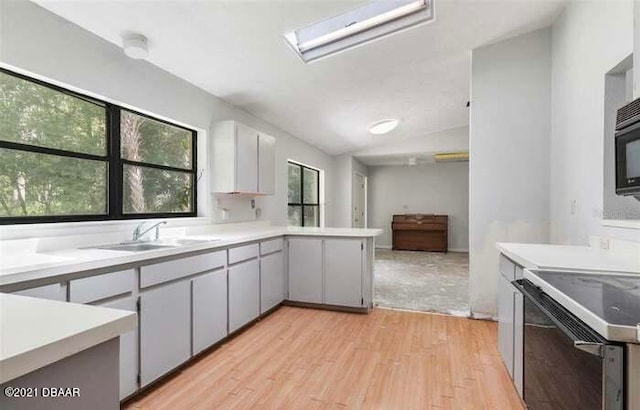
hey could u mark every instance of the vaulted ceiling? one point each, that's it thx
(234, 50)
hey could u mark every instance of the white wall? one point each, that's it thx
(618, 92)
(509, 149)
(589, 39)
(40, 42)
(433, 188)
(343, 168)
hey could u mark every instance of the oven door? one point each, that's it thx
(628, 160)
(566, 364)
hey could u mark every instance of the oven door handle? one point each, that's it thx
(593, 348)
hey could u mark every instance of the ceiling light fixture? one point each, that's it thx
(135, 46)
(374, 20)
(383, 127)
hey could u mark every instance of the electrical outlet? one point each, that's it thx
(574, 206)
(604, 243)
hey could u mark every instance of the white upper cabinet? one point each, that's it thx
(266, 164)
(242, 160)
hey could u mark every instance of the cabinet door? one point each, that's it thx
(505, 322)
(128, 349)
(266, 164)
(305, 270)
(271, 281)
(518, 342)
(244, 294)
(246, 159)
(165, 329)
(209, 309)
(343, 272)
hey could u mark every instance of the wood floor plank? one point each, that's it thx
(312, 359)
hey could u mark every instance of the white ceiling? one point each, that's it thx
(234, 50)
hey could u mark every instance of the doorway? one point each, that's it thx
(359, 214)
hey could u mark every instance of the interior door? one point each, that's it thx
(359, 200)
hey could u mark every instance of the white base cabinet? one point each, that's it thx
(272, 281)
(505, 322)
(305, 270)
(518, 342)
(511, 321)
(327, 271)
(165, 329)
(209, 309)
(343, 272)
(128, 349)
(244, 293)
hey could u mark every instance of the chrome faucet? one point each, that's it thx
(138, 232)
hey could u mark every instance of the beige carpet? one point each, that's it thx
(422, 281)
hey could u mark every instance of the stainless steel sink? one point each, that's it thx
(184, 241)
(134, 247)
(152, 245)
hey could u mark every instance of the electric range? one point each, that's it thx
(607, 302)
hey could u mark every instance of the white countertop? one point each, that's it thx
(562, 257)
(18, 267)
(37, 332)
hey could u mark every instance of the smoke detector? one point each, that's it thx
(135, 46)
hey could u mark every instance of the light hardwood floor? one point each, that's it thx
(312, 359)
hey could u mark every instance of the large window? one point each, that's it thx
(304, 194)
(68, 157)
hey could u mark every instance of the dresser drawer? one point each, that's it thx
(87, 290)
(242, 253)
(271, 246)
(163, 272)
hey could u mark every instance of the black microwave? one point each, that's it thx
(628, 149)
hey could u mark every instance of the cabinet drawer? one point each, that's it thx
(507, 268)
(270, 246)
(98, 287)
(242, 253)
(163, 272)
(51, 292)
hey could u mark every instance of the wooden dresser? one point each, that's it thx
(420, 232)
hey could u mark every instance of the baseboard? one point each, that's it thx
(378, 246)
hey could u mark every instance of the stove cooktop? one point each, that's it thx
(614, 298)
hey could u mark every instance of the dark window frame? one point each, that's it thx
(302, 204)
(113, 159)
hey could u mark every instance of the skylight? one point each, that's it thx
(370, 22)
